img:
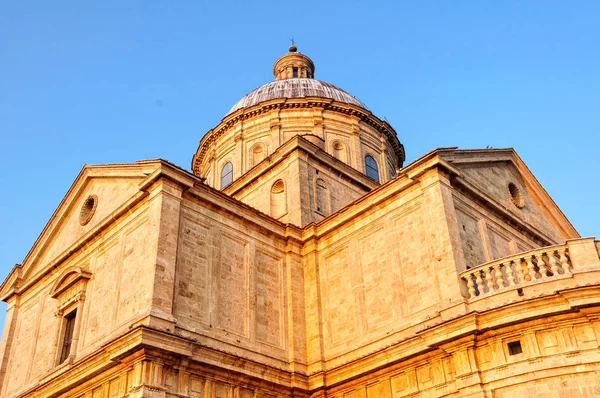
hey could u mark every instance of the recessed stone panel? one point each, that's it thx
(136, 257)
(380, 389)
(269, 300)
(379, 277)
(341, 304)
(471, 239)
(499, 245)
(403, 384)
(193, 284)
(585, 336)
(232, 286)
(419, 285)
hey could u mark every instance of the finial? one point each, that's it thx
(293, 48)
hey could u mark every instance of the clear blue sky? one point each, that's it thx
(115, 81)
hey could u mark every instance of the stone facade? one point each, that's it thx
(453, 276)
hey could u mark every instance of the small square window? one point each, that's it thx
(515, 348)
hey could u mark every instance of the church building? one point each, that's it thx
(301, 257)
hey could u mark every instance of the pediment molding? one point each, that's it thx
(71, 203)
(69, 277)
(148, 172)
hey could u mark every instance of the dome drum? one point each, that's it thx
(274, 122)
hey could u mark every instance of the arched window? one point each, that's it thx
(226, 175)
(338, 151)
(322, 197)
(278, 203)
(257, 155)
(371, 168)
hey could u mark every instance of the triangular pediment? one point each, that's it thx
(95, 195)
(501, 176)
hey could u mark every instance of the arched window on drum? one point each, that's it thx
(371, 168)
(226, 175)
(339, 151)
(278, 202)
(258, 154)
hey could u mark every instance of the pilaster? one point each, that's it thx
(10, 324)
(443, 235)
(357, 160)
(166, 217)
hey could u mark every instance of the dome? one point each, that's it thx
(295, 88)
(298, 109)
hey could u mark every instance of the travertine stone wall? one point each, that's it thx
(327, 192)
(365, 302)
(482, 366)
(314, 184)
(110, 304)
(379, 274)
(258, 194)
(238, 285)
(494, 178)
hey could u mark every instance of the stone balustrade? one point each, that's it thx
(532, 267)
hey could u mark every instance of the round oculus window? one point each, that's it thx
(514, 193)
(88, 209)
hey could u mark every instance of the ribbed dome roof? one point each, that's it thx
(295, 88)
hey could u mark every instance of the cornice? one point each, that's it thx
(408, 176)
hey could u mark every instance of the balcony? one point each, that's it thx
(535, 273)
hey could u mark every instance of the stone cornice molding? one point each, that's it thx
(408, 176)
(12, 283)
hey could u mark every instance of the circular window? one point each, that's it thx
(88, 209)
(514, 193)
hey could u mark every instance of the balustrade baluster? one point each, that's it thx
(479, 282)
(510, 275)
(530, 268)
(499, 277)
(471, 286)
(553, 263)
(489, 278)
(544, 270)
(521, 270)
(564, 261)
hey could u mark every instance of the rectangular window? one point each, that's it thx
(295, 70)
(67, 336)
(514, 347)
